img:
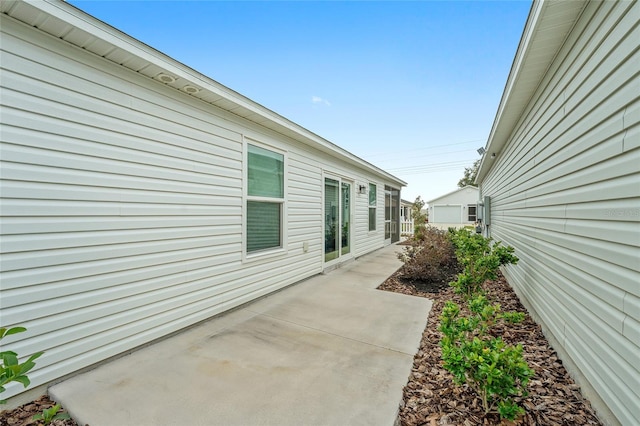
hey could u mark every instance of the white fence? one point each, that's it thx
(406, 227)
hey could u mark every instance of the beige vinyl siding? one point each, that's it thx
(122, 206)
(565, 192)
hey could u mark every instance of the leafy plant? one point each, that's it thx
(431, 258)
(419, 218)
(480, 258)
(11, 370)
(50, 414)
(494, 370)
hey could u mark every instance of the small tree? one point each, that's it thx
(470, 174)
(419, 218)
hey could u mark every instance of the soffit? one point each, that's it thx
(70, 24)
(546, 30)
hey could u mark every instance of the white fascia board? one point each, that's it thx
(517, 95)
(97, 28)
(514, 73)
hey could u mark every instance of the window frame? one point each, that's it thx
(475, 215)
(373, 207)
(246, 198)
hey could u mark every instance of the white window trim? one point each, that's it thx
(277, 251)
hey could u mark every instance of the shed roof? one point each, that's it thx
(547, 27)
(451, 193)
(65, 21)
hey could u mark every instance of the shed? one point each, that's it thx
(140, 197)
(454, 209)
(562, 177)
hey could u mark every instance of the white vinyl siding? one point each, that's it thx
(565, 193)
(122, 206)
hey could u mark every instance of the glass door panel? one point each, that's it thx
(395, 215)
(331, 219)
(387, 213)
(345, 221)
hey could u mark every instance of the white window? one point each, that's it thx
(265, 199)
(373, 197)
(472, 209)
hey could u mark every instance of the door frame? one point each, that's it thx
(387, 210)
(341, 179)
(392, 202)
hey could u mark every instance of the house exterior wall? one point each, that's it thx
(565, 192)
(122, 206)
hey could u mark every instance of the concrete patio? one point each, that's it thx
(331, 350)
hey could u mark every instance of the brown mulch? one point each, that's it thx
(431, 398)
(23, 415)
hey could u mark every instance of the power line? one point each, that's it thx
(420, 149)
(432, 166)
(404, 157)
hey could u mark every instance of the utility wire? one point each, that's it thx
(386, 154)
(446, 164)
(404, 157)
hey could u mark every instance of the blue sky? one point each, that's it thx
(411, 87)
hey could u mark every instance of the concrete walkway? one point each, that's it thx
(331, 350)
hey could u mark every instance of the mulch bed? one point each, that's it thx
(431, 397)
(23, 415)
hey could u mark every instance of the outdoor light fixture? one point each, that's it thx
(481, 151)
(493, 155)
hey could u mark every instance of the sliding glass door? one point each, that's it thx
(337, 218)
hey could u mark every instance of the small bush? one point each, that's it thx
(497, 372)
(480, 258)
(430, 257)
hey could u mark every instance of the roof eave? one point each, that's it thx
(222, 97)
(451, 193)
(539, 45)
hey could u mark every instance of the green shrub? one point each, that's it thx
(494, 370)
(480, 259)
(11, 370)
(431, 258)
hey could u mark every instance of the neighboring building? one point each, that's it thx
(406, 220)
(562, 173)
(455, 209)
(140, 197)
